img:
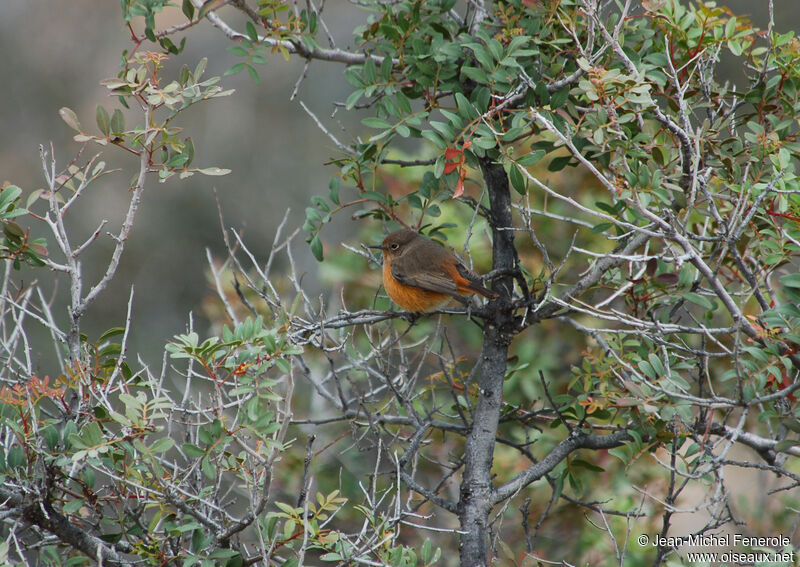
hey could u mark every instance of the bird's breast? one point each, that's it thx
(409, 297)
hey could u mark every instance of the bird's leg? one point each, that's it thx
(411, 317)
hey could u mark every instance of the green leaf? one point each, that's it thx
(375, 196)
(518, 181)
(250, 29)
(8, 196)
(333, 193)
(791, 424)
(700, 300)
(209, 468)
(192, 451)
(484, 142)
(353, 98)
(496, 48)
(188, 9)
(370, 71)
(559, 163)
(11, 229)
(602, 227)
(238, 50)
(512, 134)
(438, 167)
(558, 98)
(200, 68)
(481, 97)
(647, 369)
(465, 108)
(445, 130)
(316, 247)
(207, 7)
(170, 47)
(786, 444)
(313, 215)
(253, 74)
(660, 155)
(531, 158)
(117, 121)
(454, 119)
(72, 506)
(730, 28)
(50, 435)
(657, 365)
(482, 56)
(435, 138)
(790, 280)
(103, 120)
(375, 122)
(162, 445)
(113, 332)
(605, 207)
(188, 151)
(542, 93)
(425, 552)
(580, 463)
(238, 68)
(289, 510)
(477, 75)
(68, 116)
(403, 102)
(390, 106)
(214, 171)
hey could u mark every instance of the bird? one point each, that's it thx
(420, 276)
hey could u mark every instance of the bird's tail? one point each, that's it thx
(478, 288)
(474, 284)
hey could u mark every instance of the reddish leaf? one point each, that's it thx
(459, 188)
(466, 145)
(452, 153)
(667, 278)
(450, 167)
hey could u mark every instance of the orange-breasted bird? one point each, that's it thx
(421, 276)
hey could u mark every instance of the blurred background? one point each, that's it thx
(56, 53)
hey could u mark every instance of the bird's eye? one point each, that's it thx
(395, 246)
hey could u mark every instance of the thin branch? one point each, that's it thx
(576, 440)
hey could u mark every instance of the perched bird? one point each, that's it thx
(421, 276)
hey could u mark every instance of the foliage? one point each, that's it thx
(139, 81)
(644, 220)
(17, 245)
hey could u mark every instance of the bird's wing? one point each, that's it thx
(407, 273)
(475, 283)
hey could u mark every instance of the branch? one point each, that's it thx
(295, 48)
(572, 443)
(42, 514)
(761, 445)
(419, 489)
(595, 273)
(121, 238)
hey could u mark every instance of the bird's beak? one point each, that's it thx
(376, 246)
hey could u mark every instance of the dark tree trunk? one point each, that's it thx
(476, 499)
